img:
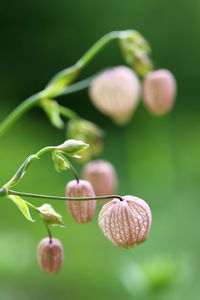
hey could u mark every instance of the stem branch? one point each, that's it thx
(38, 196)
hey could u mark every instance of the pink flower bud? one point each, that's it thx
(125, 223)
(81, 211)
(159, 89)
(115, 92)
(101, 174)
(50, 255)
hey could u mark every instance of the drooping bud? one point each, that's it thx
(81, 211)
(125, 223)
(136, 51)
(116, 92)
(89, 133)
(159, 89)
(50, 216)
(101, 174)
(50, 255)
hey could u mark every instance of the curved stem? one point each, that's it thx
(44, 150)
(101, 43)
(18, 112)
(67, 75)
(38, 196)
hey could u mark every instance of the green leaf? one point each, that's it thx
(51, 108)
(23, 207)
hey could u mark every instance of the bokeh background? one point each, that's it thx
(156, 158)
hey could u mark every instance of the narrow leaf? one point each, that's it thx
(23, 207)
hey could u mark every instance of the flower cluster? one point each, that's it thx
(125, 221)
(116, 92)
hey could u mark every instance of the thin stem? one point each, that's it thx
(32, 206)
(18, 112)
(38, 196)
(101, 43)
(78, 86)
(73, 171)
(48, 231)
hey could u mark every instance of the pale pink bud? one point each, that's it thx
(101, 174)
(50, 255)
(159, 89)
(125, 223)
(81, 211)
(115, 92)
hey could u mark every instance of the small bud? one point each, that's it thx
(72, 147)
(159, 89)
(81, 211)
(125, 223)
(101, 174)
(87, 132)
(116, 92)
(50, 255)
(50, 216)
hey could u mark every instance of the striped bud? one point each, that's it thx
(125, 223)
(50, 255)
(115, 92)
(81, 211)
(101, 174)
(159, 90)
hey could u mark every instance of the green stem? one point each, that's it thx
(38, 196)
(44, 150)
(18, 112)
(32, 206)
(73, 171)
(48, 231)
(99, 45)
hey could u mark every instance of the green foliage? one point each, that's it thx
(23, 207)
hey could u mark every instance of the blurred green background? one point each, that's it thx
(156, 159)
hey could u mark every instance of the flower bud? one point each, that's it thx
(50, 255)
(136, 51)
(125, 223)
(81, 211)
(159, 89)
(115, 92)
(101, 174)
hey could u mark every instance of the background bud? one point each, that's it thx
(50, 255)
(101, 174)
(81, 211)
(89, 133)
(159, 89)
(125, 223)
(115, 92)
